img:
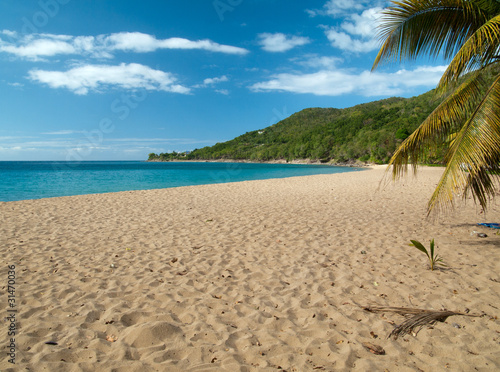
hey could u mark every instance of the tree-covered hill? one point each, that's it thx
(368, 132)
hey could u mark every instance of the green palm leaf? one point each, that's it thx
(477, 145)
(477, 52)
(446, 118)
(420, 247)
(411, 28)
(468, 31)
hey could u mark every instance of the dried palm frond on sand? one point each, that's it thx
(417, 318)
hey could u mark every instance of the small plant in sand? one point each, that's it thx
(434, 259)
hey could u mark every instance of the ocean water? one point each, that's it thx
(33, 180)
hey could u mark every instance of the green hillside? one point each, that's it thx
(368, 132)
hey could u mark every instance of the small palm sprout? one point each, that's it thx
(434, 260)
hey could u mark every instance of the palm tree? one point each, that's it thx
(468, 33)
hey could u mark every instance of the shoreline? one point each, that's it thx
(250, 275)
(278, 161)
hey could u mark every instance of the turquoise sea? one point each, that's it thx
(21, 180)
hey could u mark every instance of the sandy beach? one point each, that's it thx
(252, 276)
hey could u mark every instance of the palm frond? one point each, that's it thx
(446, 118)
(475, 148)
(477, 52)
(415, 323)
(416, 318)
(410, 28)
(404, 311)
(480, 184)
(471, 113)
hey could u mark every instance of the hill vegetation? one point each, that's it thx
(367, 132)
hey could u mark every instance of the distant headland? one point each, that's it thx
(365, 133)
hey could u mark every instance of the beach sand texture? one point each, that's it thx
(249, 276)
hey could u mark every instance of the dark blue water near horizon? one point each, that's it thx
(22, 180)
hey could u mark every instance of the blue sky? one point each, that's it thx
(117, 80)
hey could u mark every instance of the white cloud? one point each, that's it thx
(22, 143)
(222, 91)
(279, 42)
(131, 41)
(9, 138)
(212, 81)
(215, 80)
(38, 46)
(357, 33)
(363, 24)
(79, 147)
(317, 62)
(9, 33)
(63, 132)
(346, 42)
(336, 8)
(141, 43)
(343, 81)
(16, 85)
(81, 80)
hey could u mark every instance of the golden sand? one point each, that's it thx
(249, 276)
